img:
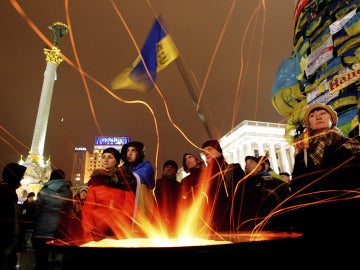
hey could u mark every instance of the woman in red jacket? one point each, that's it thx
(109, 205)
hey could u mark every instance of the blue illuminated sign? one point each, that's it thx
(119, 141)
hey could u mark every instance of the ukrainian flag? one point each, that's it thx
(158, 51)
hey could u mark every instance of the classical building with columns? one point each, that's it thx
(256, 138)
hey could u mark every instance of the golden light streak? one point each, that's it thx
(86, 86)
(239, 89)
(216, 50)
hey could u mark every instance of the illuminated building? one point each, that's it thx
(254, 138)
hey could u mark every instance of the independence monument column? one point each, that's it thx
(38, 171)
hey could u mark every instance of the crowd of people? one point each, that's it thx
(123, 199)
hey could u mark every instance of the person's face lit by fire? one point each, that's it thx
(108, 161)
(320, 120)
(252, 167)
(169, 170)
(192, 162)
(210, 154)
(132, 154)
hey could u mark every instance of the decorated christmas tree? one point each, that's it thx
(324, 66)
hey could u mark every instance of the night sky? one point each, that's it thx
(232, 48)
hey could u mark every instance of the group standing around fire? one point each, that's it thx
(124, 200)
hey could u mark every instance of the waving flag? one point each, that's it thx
(158, 51)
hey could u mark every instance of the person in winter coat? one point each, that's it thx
(133, 154)
(53, 210)
(108, 210)
(167, 192)
(11, 177)
(260, 194)
(219, 181)
(325, 179)
(193, 165)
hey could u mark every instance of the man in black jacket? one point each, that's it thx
(219, 181)
(261, 194)
(11, 177)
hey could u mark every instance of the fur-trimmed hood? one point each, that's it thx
(116, 178)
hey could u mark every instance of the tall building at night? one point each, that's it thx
(85, 162)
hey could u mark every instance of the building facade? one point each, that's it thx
(254, 138)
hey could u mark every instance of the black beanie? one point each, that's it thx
(252, 158)
(172, 163)
(13, 173)
(57, 174)
(139, 147)
(114, 152)
(214, 144)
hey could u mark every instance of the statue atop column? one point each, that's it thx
(59, 29)
(38, 170)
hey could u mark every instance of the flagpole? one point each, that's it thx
(190, 87)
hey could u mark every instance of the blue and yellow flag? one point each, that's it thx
(158, 51)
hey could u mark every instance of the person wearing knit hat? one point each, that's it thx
(212, 150)
(260, 194)
(318, 110)
(13, 173)
(167, 191)
(329, 161)
(171, 163)
(191, 159)
(109, 205)
(133, 154)
(193, 165)
(327, 146)
(53, 213)
(252, 165)
(133, 146)
(11, 177)
(214, 144)
(57, 174)
(113, 151)
(218, 181)
(252, 158)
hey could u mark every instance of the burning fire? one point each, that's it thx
(154, 242)
(189, 241)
